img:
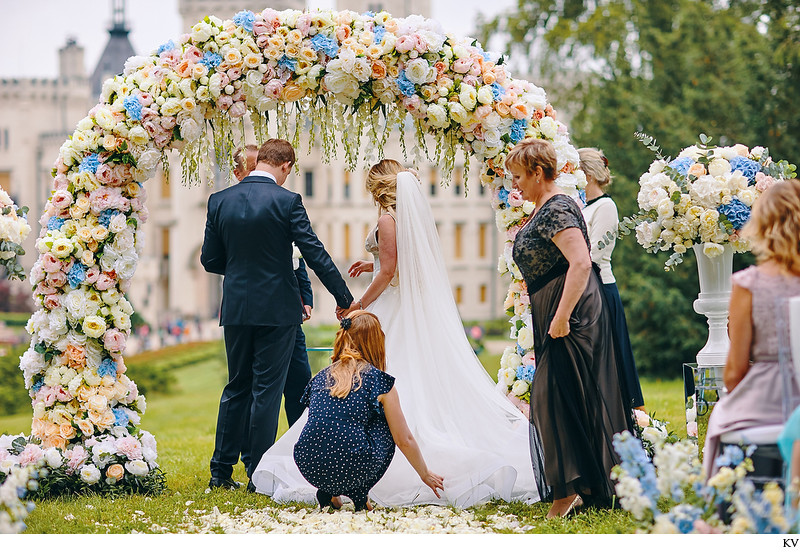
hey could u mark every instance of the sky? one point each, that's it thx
(34, 30)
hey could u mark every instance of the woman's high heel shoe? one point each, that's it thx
(573, 507)
(326, 499)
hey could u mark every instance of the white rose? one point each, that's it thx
(138, 135)
(468, 96)
(528, 207)
(719, 167)
(94, 326)
(90, 474)
(104, 118)
(747, 196)
(525, 338)
(520, 387)
(201, 32)
(53, 458)
(458, 113)
(437, 116)
(665, 208)
(362, 70)
(712, 250)
(419, 71)
(506, 376)
(485, 95)
(137, 467)
(657, 166)
(148, 160)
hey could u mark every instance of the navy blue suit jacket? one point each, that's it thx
(249, 232)
(303, 281)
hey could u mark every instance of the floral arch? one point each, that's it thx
(361, 74)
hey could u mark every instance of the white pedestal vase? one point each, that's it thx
(713, 300)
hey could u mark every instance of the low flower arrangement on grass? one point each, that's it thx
(666, 493)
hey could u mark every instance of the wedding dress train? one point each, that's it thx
(467, 430)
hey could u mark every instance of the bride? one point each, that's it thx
(469, 432)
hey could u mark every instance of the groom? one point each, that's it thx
(249, 232)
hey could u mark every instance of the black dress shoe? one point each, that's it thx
(250, 487)
(228, 483)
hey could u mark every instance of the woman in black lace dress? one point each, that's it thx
(576, 405)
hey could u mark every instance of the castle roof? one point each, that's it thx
(112, 62)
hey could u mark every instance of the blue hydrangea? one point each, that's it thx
(518, 128)
(379, 32)
(166, 47)
(211, 59)
(636, 464)
(525, 372)
(133, 106)
(105, 216)
(683, 517)
(327, 45)
(368, 14)
(245, 20)
(582, 196)
(406, 86)
(289, 63)
(502, 195)
(76, 275)
(55, 223)
(736, 212)
(682, 164)
(120, 417)
(37, 385)
(748, 167)
(497, 91)
(520, 350)
(107, 368)
(89, 163)
(731, 457)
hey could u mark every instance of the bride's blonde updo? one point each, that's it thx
(382, 183)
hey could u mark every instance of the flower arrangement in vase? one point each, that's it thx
(14, 229)
(703, 196)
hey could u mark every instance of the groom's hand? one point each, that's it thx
(306, 312)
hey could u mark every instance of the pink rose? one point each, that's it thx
(412, 103)
(303, 24)
(261, 28)
(130, 447)
(168, 123)
(234, 73)
(61, 168)
(691, 429)
(405, 44)
(114, 340)
(525, 408)
(261, 40)
(273, 89)
(343, 33)
(238, 96)
(171, 57)
(75, 456)
(162, 139)
(462, 65)
(104, 282)
(37, 273)
(193, 54)
(62, 395)
(528, 359)
(224, 102)
(471, 80)
(511, 233)
(642, 419)
(272, 18)
(61, 200)
(122, 174)
(763, 182)
(515, 198)
(238, 109)
(43, 289)
(104, 174)
(60, 182)
(92, 274)
(56, 279)
(30, 455)
(148, 113)
(145, 98)
(420, 45)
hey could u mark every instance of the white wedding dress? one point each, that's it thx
(468, 432)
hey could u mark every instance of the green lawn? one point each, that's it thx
(184, 423)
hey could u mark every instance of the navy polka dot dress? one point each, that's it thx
(345, 446)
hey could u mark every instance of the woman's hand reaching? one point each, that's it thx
(359, 267)
(435, 482)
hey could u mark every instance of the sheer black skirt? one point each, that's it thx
(576, 398)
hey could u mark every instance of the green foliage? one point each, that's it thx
(672, 69)
(154, 371)
(13, 395)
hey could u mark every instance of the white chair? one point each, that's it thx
(767, 461)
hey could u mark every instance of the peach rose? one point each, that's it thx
(67, 431)
(698, 169)
(115, 472)
(292, 92)
(503, 109)
(86, 427)
(519, 111)
(54, 441)
(378, 70)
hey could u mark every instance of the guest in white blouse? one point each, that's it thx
(601, 218)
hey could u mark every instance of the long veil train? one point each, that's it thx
(468, 432)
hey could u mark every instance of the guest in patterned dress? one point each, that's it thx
(355, 420)
(576, 403)
(752, 373)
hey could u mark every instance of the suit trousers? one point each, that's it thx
(297, 379)
(258, 361)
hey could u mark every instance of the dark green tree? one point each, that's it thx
(672, 70)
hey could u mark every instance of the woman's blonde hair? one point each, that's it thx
(531, 153)
(774, 226)
(594, 164)
(359, 343)
(382, 183)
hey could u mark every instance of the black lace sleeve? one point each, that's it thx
(558, 214)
